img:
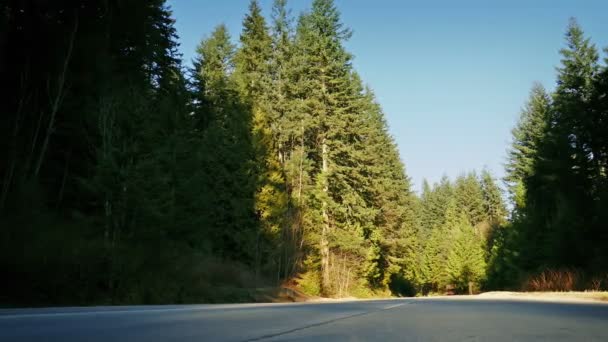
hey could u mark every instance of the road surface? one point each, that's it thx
(425, 319)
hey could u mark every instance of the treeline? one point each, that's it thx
(557, 176)
(98, 150)
(459, 221)
(323, 194)
(131, 179)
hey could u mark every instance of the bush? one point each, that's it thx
(310, 283)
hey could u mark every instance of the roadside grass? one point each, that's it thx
(565, 280)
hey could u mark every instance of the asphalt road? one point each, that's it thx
(426, 319)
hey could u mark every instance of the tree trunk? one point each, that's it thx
(257, 258)
(347, 281)
(279, 271)
(64, 179)
(325, 229)
(8, 176)
(58, 98)
(297, 235)
(301, 167)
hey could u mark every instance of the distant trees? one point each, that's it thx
(465, 262)
(458, 221)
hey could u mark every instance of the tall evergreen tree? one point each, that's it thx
(559, 193)
(393, 230)
(468, 194)
(287, 128)
(435, 203)
(555, 172)
(465, 262)
(252, 74)
(494, 206)
(438, 209)
(252, 60)
(227, 152)
(325, 73)
(527, 137)
(517, 243)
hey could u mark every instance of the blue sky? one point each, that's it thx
(451, 76)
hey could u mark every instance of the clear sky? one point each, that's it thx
(451, 76)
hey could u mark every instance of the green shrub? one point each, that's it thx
(310, 283)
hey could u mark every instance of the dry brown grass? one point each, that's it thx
(553, 280)
(564, 280)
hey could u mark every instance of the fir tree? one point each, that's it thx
(527, 137)
(227, 153)
(469, 198)
(465, 262)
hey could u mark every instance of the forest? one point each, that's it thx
(129, 176)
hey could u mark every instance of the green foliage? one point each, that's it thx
(469, 197)
(309, 277)
(466, 260)
(310, 283)
(493, 201)
(459, 223)
(434, 203)
(271, 160)
(129, 182)
(226, 154)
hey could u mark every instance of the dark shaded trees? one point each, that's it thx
(556, 172)
(97, 93)
(227, 179)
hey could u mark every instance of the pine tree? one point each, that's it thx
(387, 190)
(494, 207)
(325, 67)
(253, 76)
(493, 202)
(285, 125)
(438, 208)
(527, 137)
(559, 192)
(515, 245)
(599, 141)
(435, 202)
(555, 168)
(465, 262)
(439, 245)
(291, 127)
(469, 198)
(431, 261)
(226, 151)
(450, 256)
(252, 60)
